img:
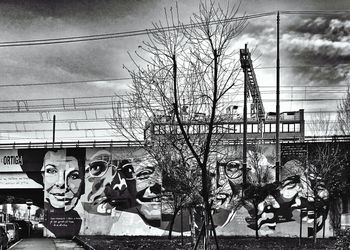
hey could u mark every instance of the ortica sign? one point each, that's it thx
(11, 160)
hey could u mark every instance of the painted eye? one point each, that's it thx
(97, 167)
(74, 175)
(50, 170)
(145, 173)
(233, 170)
(127, 170)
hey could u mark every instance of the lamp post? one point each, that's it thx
(29, 203)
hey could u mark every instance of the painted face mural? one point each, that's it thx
(62, 180)
(315, 203)
(63, 185)
(110, 184)
(229, 186)
(131, 185)
(118, 192)
(262, 191)
(228, 190)
(148, 188)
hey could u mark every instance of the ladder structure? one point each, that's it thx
(257, 108)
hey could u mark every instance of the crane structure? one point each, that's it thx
(232, 127)
(257, 108)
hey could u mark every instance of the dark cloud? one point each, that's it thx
(323, 44)
(88, 10)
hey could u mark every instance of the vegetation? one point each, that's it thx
(180, 77)
(343, 114)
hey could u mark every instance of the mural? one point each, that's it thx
(63, 172)
(275, 209)
(118, 191)
(123, 189)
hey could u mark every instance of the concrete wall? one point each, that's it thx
(118, 191)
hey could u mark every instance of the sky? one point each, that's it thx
(315, 50)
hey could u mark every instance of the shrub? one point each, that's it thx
(343, 239)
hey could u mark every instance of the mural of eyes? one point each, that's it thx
(290, 187)
(97, 168)
(127, 170)
(74, 175)
(74, 180)
(233, 169)
(145, 173)
(49, 169)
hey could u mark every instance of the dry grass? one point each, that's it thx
(225, 243)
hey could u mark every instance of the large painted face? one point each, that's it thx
(317, 199)
(109, 184)
(267, 209)
(283, 203)
(148, 186)
(62, 180)
(228, 180)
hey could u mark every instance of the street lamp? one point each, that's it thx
(29, 203)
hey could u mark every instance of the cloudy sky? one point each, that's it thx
(315, 50)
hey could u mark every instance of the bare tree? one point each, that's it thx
(326, 166)
(260, 182)
(324, 180)
(180, 78)
(343, 114)
(180, 180)
(321, 124)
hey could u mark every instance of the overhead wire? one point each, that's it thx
(114, 35)
(143, 32)
(124, 34)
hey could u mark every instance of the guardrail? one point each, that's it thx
(70, 144)
(112, 143)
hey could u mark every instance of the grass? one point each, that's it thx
(225, 243)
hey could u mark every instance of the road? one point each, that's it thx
(45, 244)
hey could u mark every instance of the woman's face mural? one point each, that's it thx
(62, 179)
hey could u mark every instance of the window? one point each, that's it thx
(238, 129)
(273, 128)
(285, 128)
(291, 127)
(255, 128)
(267, 128)
(249, 128)
(297, 127)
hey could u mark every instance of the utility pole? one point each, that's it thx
(53, 131)
(245, 120)
(278, 101)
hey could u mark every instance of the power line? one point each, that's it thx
(129, 78)
(89, 104)
(115, 35)
(314, 12)
(65, 82)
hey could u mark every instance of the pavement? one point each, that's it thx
(45, 244)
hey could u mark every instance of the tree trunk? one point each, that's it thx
(176, 210)
(205, 196)
(193, 227)
(315, 223)
(256, 221)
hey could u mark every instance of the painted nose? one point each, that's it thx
(61, 180)
(119, 183)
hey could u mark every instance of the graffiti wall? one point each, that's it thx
(285, 208)
(119, 191)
